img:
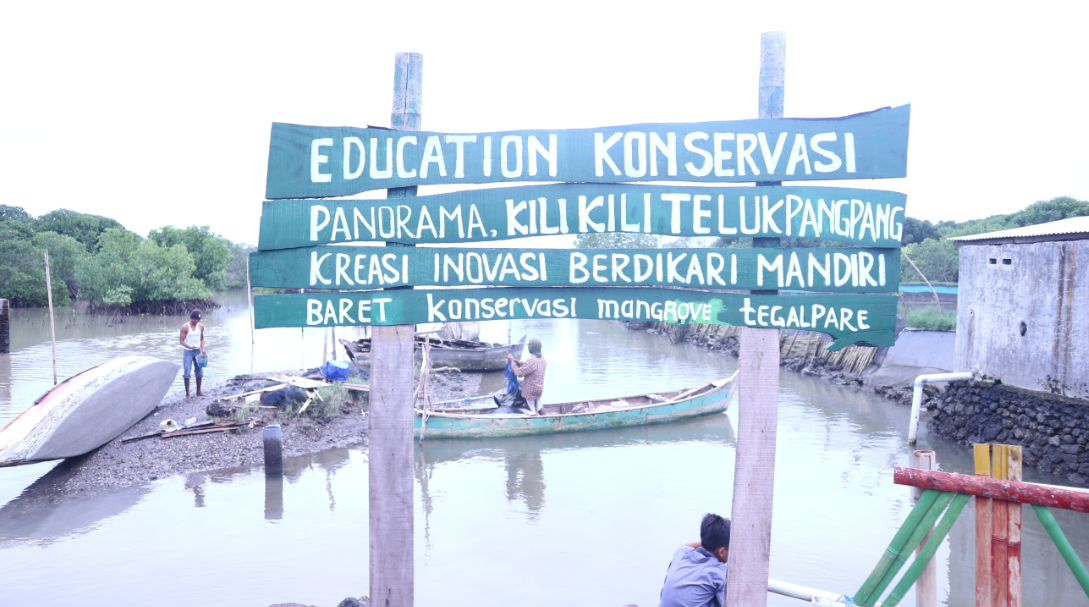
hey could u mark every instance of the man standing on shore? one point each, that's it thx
(192, 339)
(697, 574)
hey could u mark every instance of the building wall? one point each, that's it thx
(1041, 285)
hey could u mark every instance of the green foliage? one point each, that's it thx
(236, 267)
(617, 240)
(16, 214)
(211, 253)
(66, 255)
(938, 260)
(930, 318)
(128, 267)
(22, 264)
(917, 230)
(333, 399)
(1043, 211)
(84, 227)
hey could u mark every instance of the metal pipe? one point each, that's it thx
(809, 595)
(917, 397)
(1063, 544)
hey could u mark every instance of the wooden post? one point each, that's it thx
(1000, 524)
(5, 326)
(391, 514)
(1013, 535)
(982, 456)
(758, 402)
(926, 588)
(249, 294)
(52, 325)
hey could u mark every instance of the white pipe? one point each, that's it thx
(810, 595)
(917, 397)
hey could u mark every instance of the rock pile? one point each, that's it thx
(1053, 429)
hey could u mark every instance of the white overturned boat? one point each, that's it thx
(87, 410)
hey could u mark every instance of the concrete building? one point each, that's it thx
(1023, 314)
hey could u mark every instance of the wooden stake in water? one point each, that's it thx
(982, 456)
(52, 325)
(390, 469)
(249, 294)
(926, 588)
(758, 402)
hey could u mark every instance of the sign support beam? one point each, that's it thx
(390, 448)
(758, 401)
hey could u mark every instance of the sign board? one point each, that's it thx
(852, 216)
(854, 270)
(869, 319)
(315, 162)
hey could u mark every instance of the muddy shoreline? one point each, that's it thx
(120, 464)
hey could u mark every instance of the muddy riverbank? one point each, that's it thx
(119, 464)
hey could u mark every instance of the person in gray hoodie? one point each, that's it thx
(697, 573)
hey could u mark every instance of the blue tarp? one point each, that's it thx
(512, 380)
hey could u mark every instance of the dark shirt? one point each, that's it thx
(695, 579)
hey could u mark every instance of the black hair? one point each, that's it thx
(194, 315)
(714, 532)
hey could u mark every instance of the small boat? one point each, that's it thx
(87, 410)
(471, 419)
(459, 354)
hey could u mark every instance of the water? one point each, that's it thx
(581, 519)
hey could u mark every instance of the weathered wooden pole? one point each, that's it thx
(249, 295)
(391, 524)
(982, 457)
(52, 325)
(758, 401)
(5, 326)
(926, 588)
(1000, 524)
(1013, 533)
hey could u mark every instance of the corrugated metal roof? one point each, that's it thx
(1072, 228)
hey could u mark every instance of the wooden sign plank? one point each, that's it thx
(842, 270)
(315, 162)
(869, 319)
(848, 215)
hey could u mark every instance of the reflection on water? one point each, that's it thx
(532, 521)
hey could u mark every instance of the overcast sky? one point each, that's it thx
(159, 113)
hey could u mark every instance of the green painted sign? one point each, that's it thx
(867, 319)
(367, 267)
(317, 162)
(854, 216)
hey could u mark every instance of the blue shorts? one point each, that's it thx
(190, 361)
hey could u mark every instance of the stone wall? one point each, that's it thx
(1053, 429)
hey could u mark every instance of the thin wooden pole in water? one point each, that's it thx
(390, 469)
(926, 588)
(758, 402)
(249, 294)
(52, 325)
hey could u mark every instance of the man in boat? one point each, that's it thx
(533, 372)
(697, 574)
(192, 339)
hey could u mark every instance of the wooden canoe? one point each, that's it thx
(459, 354)
(470, 420)
(87, 410)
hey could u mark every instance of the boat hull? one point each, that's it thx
(87, 410)
(475, 360)
(452, 425)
